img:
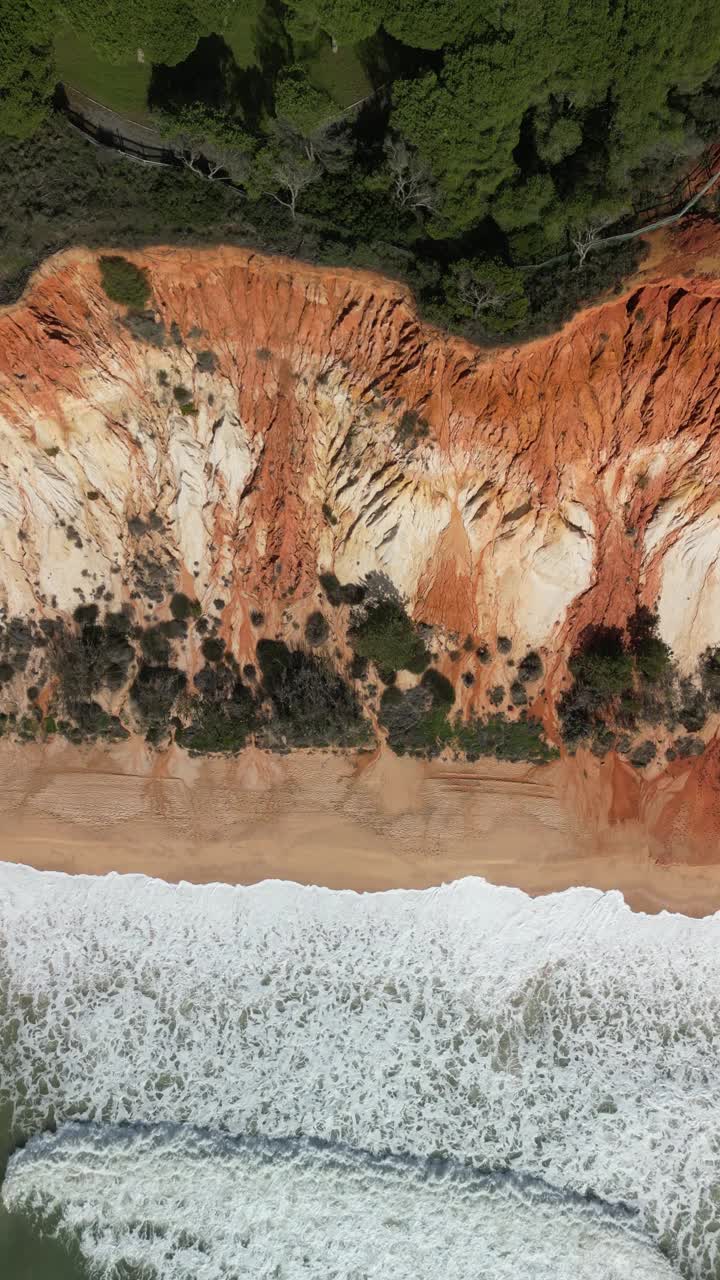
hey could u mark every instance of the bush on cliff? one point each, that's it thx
(416, 721)
(312, 704)
(388, 637)
(222, 716)
(123, 282)
(513, 740)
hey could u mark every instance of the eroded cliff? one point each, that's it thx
(266, 423)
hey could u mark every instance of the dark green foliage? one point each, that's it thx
(504, 644)
(689, 746)
(496, 695)
(643, 754)
(93, 721)
(89, 657)
(256, 617)
(358, 667)
(316, 629)
(518, 694)
(182, 607)
(602, 665)
(483, 654)
(154, 692)
(710, 676)
(630, 679)
(439, 687)
(388, 637)
(123, 282)
(416, 721)
(520, 739)
(530, 668)
(155, 646)
(223, 715)
(206, 361)
(86, 614)
(602, 671)
(312, 705)
(213, 649)
(652, 655)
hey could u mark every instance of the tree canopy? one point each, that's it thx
(438, 140)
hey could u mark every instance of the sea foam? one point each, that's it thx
(562, 1037)
(194, 1207)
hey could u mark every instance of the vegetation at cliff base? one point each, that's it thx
(387, 636)
(454, 145)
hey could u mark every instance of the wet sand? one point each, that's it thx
(366, 823)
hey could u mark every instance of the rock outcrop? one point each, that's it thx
(265, 422)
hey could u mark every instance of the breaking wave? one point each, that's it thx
(190, 1206)
(563, 1038)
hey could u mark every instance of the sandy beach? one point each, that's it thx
(366, 823)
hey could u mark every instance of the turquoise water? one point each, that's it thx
(287, 1082)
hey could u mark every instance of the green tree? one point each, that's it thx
(27, 70)
(488, 293)
(283, 170)
(345, 21)
(211, 141)
(300, 103)
(431, 24)
(163, 31)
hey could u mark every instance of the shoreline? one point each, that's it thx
(367, 823)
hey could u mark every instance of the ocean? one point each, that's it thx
(202, 1083)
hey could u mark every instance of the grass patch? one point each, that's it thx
(123, 86)
(341, 75)
(123, 282)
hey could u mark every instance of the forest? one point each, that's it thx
(454, 145)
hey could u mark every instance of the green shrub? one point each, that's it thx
(206, 361)
(388, 637)
(312, 705)
(123, 282)
(155, 645)
(316, 629)
(223, 715)
(652, 655)
(213, 649)
(182, 607)
(154, 691)
(643, 754)
(89, 657)
(710, 676)
(530, 667)
(513, 740)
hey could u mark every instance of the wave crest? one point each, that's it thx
(194, 1206)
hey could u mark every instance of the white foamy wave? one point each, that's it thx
(564, 1037)
(195, 1207)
